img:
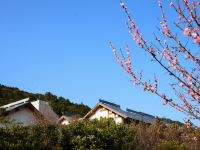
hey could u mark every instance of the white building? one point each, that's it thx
(105, 109)
(65, 120)
(29, 113)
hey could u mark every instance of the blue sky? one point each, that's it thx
(63, 47)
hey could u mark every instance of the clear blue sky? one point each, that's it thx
(63, 47)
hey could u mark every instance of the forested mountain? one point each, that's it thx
(59, 104)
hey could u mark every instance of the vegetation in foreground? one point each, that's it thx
(100, 135)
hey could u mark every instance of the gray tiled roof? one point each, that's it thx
(117, 110)
(131, 114)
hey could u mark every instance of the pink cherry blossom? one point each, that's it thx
(194, 35)
(197, 40)
(169, 58)
(163, 96)
(186, 31)
(172, 49)
(190, 79)
(164, 102)
(187, 56)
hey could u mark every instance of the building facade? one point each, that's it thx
(105, 109)
(29, 113)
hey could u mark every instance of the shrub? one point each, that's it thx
(171, 145)
(102, 134)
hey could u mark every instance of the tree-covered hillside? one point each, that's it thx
(59, 104)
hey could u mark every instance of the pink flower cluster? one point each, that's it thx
(186, 81)
(192, 33)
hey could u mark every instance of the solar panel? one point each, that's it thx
(109, 103)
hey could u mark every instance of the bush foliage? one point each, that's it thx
(104, 134)
(99, 135)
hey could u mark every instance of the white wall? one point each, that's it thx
(65, 122)
(24, 115)
(104, 113)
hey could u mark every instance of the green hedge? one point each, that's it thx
(170, 145)
(99, 135)
(104, 134)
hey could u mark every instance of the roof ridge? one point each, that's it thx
(25, 100)
(109, 103)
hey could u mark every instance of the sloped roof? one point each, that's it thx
(129, 114)
(11, 106)
(140, 116)
(23, 103)
(68, 118)
(38, 106)
(115, 109)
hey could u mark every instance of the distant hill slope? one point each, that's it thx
(59, 104)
